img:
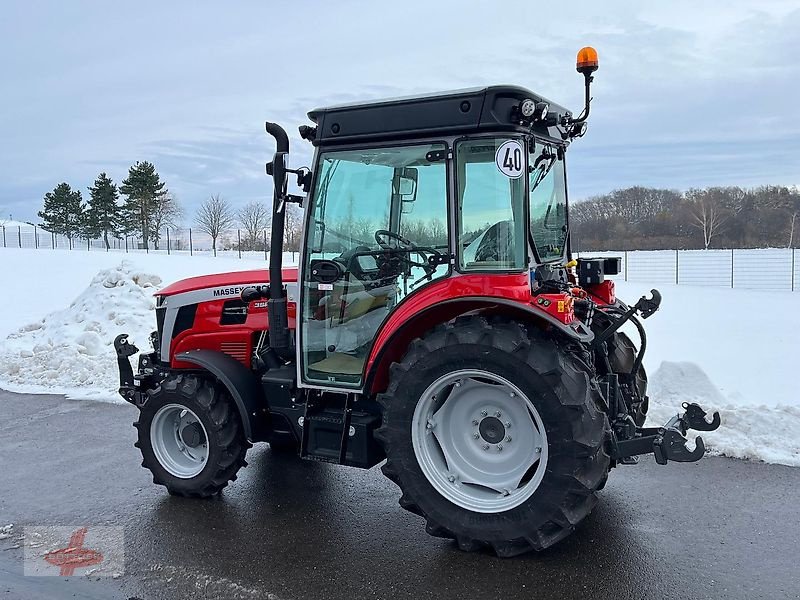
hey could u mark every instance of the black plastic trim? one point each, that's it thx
(241, 382)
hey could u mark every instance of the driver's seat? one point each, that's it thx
(496, 248)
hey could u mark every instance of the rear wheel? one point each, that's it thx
(190, 436)
(494, 434)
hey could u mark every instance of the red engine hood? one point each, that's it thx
(225, 279)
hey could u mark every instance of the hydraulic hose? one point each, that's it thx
(642, 336)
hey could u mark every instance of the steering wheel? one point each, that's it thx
(401, 242)
(404, 244)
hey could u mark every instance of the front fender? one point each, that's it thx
(242, 384)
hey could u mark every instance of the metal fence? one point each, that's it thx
(761, 268)
(171, 241)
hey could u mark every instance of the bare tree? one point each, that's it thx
(708, 215)
(166, 212)
(293, 229)
(254, 218)
(214, 216)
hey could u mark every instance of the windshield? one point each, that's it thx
(491, 200)
(379, 220)
(548, 203)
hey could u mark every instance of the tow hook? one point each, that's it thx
(668, 443)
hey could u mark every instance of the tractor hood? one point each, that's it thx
(235, 279)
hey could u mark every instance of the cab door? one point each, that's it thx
(376, 215)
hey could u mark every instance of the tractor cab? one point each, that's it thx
(461, 183)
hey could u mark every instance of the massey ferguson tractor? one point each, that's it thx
(436, 323)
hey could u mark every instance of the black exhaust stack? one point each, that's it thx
(276, 305)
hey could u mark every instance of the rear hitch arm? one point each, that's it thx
(668, 443)
(645, 306)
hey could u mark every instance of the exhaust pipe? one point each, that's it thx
(276, 305)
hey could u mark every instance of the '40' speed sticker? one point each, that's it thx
(508, 159)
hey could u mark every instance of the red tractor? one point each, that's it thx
(436, 322)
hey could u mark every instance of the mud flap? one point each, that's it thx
(668, 443)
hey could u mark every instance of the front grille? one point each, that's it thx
(237, 350)
(184, 319)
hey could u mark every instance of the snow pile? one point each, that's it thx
(71, 350)
(768, 433)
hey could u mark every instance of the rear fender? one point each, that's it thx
(242, 384)
(394, 338)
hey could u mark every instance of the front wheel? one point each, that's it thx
(494, 433)
(190, 436)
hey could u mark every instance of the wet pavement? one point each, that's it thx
(289, 529)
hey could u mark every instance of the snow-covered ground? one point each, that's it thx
(731, 350)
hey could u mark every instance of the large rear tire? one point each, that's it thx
(190, 436)
(518, 482)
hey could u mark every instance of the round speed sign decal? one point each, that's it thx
(508, 159)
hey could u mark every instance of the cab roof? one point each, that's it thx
(457, 112)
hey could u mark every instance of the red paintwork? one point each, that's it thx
(207, 333)
(509, 287)
(221, 279)
(514, 287)
(557, 305)
(603, 293)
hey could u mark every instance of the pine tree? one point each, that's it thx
(143, 189)
(63, 211)
(102, 214)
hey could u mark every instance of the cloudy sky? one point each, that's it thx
(688, 93)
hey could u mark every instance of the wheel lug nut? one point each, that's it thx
(474, 421)
(508, 438)
(498, 414)
(508, 424)
(451, 479)
(499, 447)
(538, 449)
(475, 435)
(486, 446)
(484, 413)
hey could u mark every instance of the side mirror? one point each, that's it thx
(277, 168)
(407, 184)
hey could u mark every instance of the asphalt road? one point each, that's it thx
(289, 529)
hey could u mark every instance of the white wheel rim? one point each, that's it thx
(179, 441)
(479, 441)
